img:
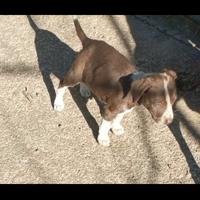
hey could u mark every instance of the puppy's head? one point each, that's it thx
(158, 94)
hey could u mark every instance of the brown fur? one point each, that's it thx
(106, 73)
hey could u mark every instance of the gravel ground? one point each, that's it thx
(39, 145)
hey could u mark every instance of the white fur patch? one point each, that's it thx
(103, 137)
(58, 103)
(117, 128)
(168, 114)
(105, 127)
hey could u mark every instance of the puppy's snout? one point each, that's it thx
(168, 120)
(168, 116)
(164, 120)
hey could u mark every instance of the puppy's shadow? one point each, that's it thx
(192, 164)
(56, 57)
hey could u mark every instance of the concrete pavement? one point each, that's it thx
(39, 145)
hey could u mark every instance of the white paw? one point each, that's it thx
(118, 130)
(104, 140)
(58, 105)
(85, 92)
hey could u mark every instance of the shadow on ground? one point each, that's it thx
(56, 57)
(193, 166)
(149, 59)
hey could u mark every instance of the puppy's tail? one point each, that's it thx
(82, 36)
(33, 24)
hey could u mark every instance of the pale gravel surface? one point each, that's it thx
(39, 145)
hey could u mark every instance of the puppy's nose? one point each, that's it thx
(168, 120)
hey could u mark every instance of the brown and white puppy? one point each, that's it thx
(100, 68)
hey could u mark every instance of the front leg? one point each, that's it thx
(71, 79)
(117, 128)
(109, 113)
(104, 129)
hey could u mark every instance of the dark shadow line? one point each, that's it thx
(193, 166)
(49, 85)
(81, 102)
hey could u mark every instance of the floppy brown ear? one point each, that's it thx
(138, 88)
(171, 72)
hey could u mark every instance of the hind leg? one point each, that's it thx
(59, 103)
(70, 80)
(117, 128)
